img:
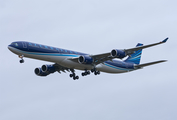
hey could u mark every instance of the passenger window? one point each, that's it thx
(30, 44)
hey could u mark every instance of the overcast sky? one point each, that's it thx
(94, 26)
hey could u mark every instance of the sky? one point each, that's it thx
(94, 27)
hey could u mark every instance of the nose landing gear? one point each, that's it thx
(22, 60)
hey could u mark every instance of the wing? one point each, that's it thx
(97, 59)
(60, 68)
(132, 50)
(100, 58)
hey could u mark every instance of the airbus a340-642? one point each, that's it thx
(68, 60)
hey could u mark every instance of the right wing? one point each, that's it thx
(100, 58)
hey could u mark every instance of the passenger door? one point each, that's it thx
(24, 45)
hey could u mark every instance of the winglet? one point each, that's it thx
(165, 40)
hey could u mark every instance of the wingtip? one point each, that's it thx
(163, 60)
(165, 40)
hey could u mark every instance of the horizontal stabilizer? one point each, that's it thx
(147, 64)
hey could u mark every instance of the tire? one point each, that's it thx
(71, 75)
(21, 61)
(95, 73)
(77, 77)
(83, 74)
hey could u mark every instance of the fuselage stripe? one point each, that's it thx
(49, 54)
(123, 69)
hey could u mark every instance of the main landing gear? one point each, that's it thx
(73, 75)
(86, 73)
(95, 71)
(22, 60)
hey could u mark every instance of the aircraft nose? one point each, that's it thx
(9, 47)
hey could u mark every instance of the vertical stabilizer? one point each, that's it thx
(135, 57)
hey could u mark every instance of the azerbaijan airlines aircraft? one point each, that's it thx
(67, 60)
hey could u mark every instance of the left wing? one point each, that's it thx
(132, 50)
(97, 59)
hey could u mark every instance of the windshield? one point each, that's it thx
(14, 43)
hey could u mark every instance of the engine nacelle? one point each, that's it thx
(39, 72)
(85, 59)
(118, 53)
(48, 69)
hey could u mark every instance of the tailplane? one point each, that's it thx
(147, 64)
(136, 56)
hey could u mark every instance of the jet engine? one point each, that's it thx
(45, 70)
(48, 69)
(118, 53)
(85, 59)
(39, 72)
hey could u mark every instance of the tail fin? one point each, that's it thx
(135, 57)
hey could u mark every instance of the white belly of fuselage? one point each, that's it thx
(108, 69)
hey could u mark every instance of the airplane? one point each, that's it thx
(68, 60)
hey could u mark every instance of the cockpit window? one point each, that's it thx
(16, 44)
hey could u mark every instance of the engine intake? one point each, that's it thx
(39, 72)
(48, 69)
(118, 53)
(45, 70)
(85, 59)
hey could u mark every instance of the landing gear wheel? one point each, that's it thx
(83, 74)
(77, 77)
(22, 61)
(71, 75)
(21, 56)
(95, 73)
(88, 72)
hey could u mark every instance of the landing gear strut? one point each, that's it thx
(73, 75)
(22, 60)
(86, 73)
